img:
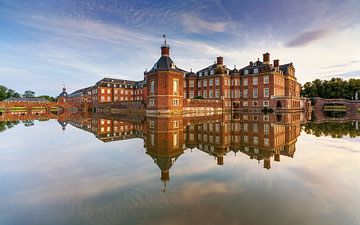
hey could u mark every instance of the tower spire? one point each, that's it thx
(165, 48)
(164, 36)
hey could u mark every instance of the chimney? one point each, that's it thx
(276, 62)
(266, 58)
(219, 60)
(251, 63)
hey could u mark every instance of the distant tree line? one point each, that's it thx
(332, 129)
(10, 93)
(7, 125)
(334, 88)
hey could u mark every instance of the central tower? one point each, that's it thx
(165, 83)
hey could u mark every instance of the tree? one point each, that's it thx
(29, 94)
(3, 94)
(333, 88)
(50, 98)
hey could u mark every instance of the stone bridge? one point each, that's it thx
(351, 113)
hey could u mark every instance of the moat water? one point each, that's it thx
(212, 169)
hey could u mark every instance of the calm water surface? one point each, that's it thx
(222, 169)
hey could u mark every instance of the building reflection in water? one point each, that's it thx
(260, 136)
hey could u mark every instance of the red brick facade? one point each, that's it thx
(164, 88)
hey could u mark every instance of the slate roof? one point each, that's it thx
(165, 63)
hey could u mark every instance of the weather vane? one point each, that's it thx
(164, 36)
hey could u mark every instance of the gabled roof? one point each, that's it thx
(285, 67)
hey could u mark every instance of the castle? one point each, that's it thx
(168, 89)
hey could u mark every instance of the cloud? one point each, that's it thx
(308, 37)
(194, 24)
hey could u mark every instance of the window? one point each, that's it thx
(109, 91)
(152, 102)
(211, 82)
(109, 99)
(191, 83)
(266, 141)
(266, 79)
(266, 92)
(185, 83)
(217, 93)
(245, 82)
(102, 99)
(211, 93)
(152, 87)
(266, 128)
(245, 103)
(255, 81)
(245, 93)
(255, 93)
(152, 123)
(175, 86)
(116, 91)
(246, 139)
(256, 70)
(255, 140)
(205, 94)
(265, 103)
(175, 124)
(266, 117)
(255, 103)
(102, 91)
(246, 72)
(199, 83)
(175, 102)
(199, 93)
(204, 83)
(217, 81)
(191, 94)
(255, 128)
(246, 127)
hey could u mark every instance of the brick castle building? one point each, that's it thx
(167, 89)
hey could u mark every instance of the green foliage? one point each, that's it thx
(29, 94)
(7, 93)
(7, 125)
(50, 98)
(198, 97)
(10, 93)
(334, 88)
(332, 129)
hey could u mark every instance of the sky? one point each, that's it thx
(47, 43)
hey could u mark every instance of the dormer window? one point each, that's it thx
(246, 72)
(211, 72)
(173, 66)
(256, 70)
(155, 65)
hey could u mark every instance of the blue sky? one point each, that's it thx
(44, 44)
